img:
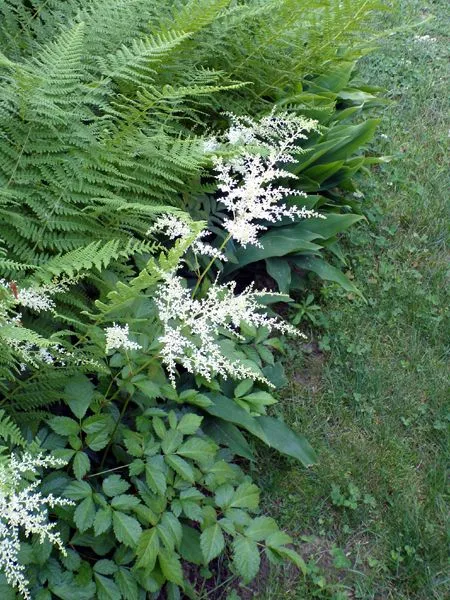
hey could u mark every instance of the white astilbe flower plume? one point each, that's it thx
(247, 181)
(117, 337)
(24, 509)
(192, 328)
(173, 227)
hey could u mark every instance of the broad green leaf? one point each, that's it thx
(77, 490)
(189, 423)
(246, 558)
(78, 394)
(326, 271)
(64, 426)
(103, 520)
(81, 464)
(171, 567)
(224, 495)
(293, 556)
(180, 466)
(105, 567)
(260, 528)
(212, 542)
(226, 409)
(147, 549)
(245, 496)
(126, 529)
(198, 449)
(84, 514)
(280, 270)
(229, 435)
(115, 485)
(260, 398)
(106, 588)
(243, 388)
(281, 437)
(190, 546)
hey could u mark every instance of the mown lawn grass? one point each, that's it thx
(371, 390)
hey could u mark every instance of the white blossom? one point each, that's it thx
(24, 509)
(117, 337)
(247, 180)
(210, 145)
(173, 227)
(35, 299)
(193, 328)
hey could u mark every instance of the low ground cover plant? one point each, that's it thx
(145, 169)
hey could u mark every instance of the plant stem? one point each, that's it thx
(209, 265)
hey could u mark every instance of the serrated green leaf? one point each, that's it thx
(181, 467)
(127, 584)
(81, 465)
(126, 529)
(198, 449)
(125, 502)
(260, 528)
(245, 496)
(155, 478)
(212, 542)
(64, 426)
(115, 485)
(103, 520)
(105, 567)
(171, 567)
(77, 490)
(78, 393)
(189, 424)
(84, 514)
(106, 588)
(246, 558)
(171, 441)
(147, 549)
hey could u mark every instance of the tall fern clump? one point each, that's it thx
(150, 153)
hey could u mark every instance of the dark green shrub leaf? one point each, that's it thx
(147, 549)
(115, 485)
(84, 514)
(246, 558)
(106, 588)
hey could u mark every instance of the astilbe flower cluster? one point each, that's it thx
(247, 181)
(24, 509)
(173, 228)
(117, 338)
(192, 328)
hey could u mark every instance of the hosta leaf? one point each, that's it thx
(326, 271)
(227, 409)
(147, 549)
(106, 588)
(171, 567)
(212, 542)
(229, 435)
(126, 529)
(281, 437)
(246, 558)
(84, 514)
(181, 467)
